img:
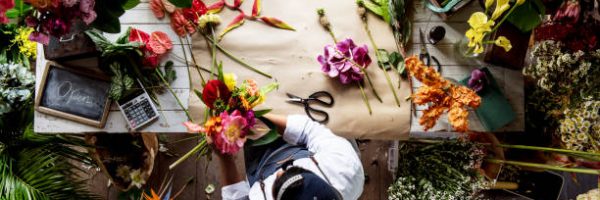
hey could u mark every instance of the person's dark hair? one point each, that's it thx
(295, 189)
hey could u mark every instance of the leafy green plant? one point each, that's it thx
(528, 16)
(109, 12)
(34, 166)
(442, 170)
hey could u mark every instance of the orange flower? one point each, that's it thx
(441, 95)
(213, 126)
(245, 103)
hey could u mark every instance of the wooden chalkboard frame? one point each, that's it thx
(38, 107)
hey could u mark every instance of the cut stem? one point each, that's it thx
(365, 99)
(213, 51)
(174, 95)
(544, 166)
(378, 55)
(228, 54)
(197, 148)
(187, 64)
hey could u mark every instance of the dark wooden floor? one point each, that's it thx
(374, 160)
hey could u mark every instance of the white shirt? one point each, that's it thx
(335, 155)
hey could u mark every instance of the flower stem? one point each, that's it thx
(370, 83)
(187, 65)
(365, 99)
(173, 93)
(241, 62)
(197, 148)
(378, 55)
(213, 51)
(332, 35)
(545, 166)
(504, 18)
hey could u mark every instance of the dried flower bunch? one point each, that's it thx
(445, 170)
(580, 129)
(16, 87)
(558, 71)
(442, 96)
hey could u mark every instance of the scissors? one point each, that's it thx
(424, 56)
(320, 97)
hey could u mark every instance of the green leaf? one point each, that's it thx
(528, 15)
(384, 59)
(108, 16)
(260, 113)
(268, 138)
(182, 3)
(129, 4)
(124, 38)
(379, 8)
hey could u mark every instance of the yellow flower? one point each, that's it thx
(504, 43)
(475, 40)
(501, 6)
(260, 100)
(26, 47)
(479, 22)
(209, 18)
(519, 2)
(230, 80)
(488, 4)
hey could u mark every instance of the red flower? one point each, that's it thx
(180, 24)
(215, 90)
(5, 5)
(193, 13)
(136, 35)
(157, 8)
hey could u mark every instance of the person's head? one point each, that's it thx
(297, 183)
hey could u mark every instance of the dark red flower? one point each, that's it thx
(215, 90)
(193, 13)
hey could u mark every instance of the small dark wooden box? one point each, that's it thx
(72, 46)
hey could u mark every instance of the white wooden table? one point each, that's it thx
(171, 115)
(510, 81)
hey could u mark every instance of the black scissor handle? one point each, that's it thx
(310, 110)
(322, 97)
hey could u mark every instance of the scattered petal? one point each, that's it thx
(277, 23)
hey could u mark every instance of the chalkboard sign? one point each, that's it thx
(73, 95)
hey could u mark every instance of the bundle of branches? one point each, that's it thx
(442, 170)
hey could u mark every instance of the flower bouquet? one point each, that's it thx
(16, 92)
(442, 95)
(230, 115)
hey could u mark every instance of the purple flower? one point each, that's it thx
(478, 80)
(250, 118)
(39, 37)
(345, 60)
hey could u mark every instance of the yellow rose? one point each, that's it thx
(504, 43)
(230, 80)
(501, 6)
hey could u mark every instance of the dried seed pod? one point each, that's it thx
(323, 19)
(362, 11)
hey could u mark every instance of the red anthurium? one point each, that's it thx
(216, 7)
(214, 90)
(160, 43)
(193, 13)
(136, 35)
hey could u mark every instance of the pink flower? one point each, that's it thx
(180, 25)
(160, 43)
(233, 135)
(193, 128)
(345, 61)
(87, 11)
(157, 8)
(252, 87)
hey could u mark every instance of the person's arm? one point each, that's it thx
(234, 185)
(335, 155)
